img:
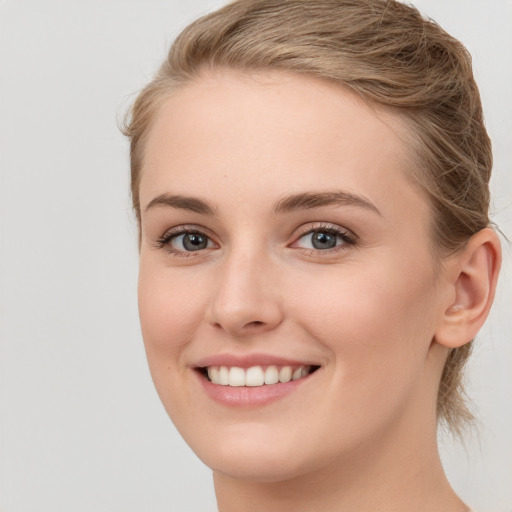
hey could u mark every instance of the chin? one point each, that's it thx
(251, 453)
(268, 454)
(260, 467)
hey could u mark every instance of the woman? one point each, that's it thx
(311, 184)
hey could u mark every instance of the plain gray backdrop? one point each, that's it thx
(81, 428)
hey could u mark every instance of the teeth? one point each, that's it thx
(255, 375)
(223, 376)
(236, 376)
(271, 375)
(285, 374)
(213, 373)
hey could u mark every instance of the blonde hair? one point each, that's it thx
(387, 53)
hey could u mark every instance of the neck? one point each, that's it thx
(399, 472)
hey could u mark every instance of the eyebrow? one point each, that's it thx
(301, 201)
(307, 200)
(192, 204)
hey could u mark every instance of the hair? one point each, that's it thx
(388, 54)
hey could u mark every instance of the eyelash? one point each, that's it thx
(164, 242)
(347, 237)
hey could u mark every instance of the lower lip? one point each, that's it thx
(247, 396)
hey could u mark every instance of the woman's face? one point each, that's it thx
(283, 239)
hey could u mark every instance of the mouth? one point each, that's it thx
(255, 376)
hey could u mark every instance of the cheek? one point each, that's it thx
(378, 329)
(170, 310)
(378, 321)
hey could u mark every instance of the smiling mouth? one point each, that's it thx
(256, 376)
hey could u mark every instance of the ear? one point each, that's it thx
(471, 277)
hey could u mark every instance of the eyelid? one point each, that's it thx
(349, 237)
(327, 226)
(164, 242)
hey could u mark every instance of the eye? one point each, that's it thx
(323, 239)
(190, 242)
(181, 241)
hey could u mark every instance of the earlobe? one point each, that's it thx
(473, 277)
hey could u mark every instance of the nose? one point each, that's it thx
(246, 296)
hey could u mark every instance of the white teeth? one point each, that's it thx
(255, 375)
(271, 375)
(223, 376)
(213, 373)
(285, 374)
(297, 374)
(236, 376)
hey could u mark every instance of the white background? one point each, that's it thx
(81, 428)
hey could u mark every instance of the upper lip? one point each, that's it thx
(249, 360)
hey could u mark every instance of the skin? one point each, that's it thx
(360, 433)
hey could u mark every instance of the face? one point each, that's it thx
(287, 293)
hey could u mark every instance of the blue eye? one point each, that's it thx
(182, 241)
(190, 242)
(324, 239)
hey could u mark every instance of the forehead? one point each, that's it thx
(265, 130)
